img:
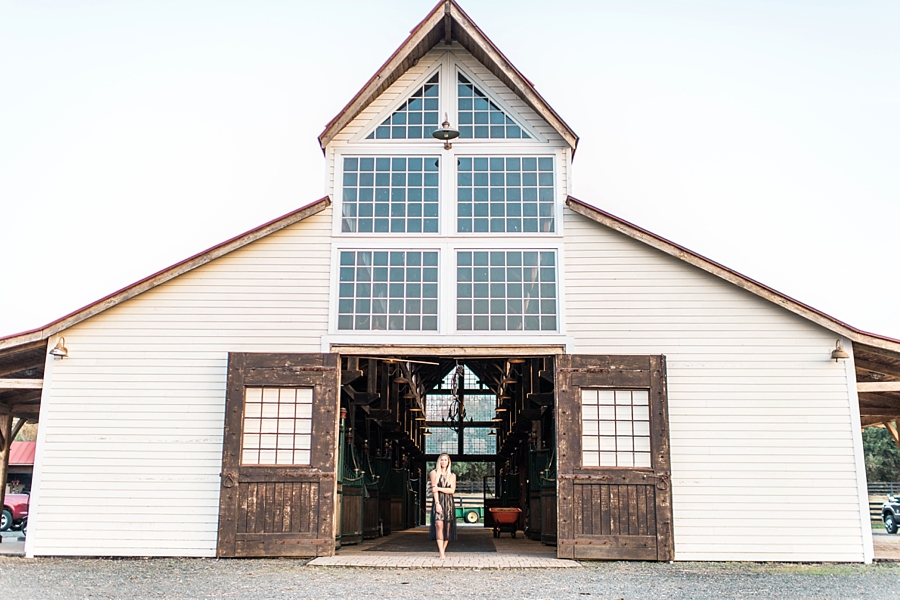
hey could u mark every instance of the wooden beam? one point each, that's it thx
(16, 429)
(21, 384)
(878, 386)
(448, 20)
(25, 409)
(891, 426)
(449, 350)
(876, 420)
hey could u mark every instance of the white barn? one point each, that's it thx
(634, 394)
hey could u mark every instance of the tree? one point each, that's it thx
(28, 433)
(881, 455)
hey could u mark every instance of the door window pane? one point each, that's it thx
(620, 429)
(274, 433)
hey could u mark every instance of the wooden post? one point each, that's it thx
(5, 435)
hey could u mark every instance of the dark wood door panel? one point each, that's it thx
(605, 510)
(612, 547)
(283, 510)
(612, 510)
(278, 508)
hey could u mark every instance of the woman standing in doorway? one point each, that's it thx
(443, 512)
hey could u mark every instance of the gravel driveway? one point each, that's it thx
(285, 578)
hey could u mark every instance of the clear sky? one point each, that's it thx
(764, 135)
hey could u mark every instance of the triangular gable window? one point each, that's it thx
(481, 118)
(416, 119)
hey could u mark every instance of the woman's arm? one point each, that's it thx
(434, 492)
(452, 488)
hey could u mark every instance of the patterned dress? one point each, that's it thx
(448, 519)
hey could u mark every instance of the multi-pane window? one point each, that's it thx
(615, 428)
(481, 118)
(442, 440)
(479, 404)
(506, 291)
(390, 194)
(476, 440)
(505, 194)
(277, 426)
(388, 290)
(416, 119)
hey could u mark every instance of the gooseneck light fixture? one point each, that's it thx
(445, 133)
(839, 353)
(60, 350)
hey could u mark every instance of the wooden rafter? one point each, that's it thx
(878, 386)
(21, 384)
(891, 426)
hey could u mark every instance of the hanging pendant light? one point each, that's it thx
(445, 133)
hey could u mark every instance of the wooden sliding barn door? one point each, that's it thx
(613, 472)
(278, 481)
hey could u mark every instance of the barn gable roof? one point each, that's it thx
(731, 276)
(447, 22)
(167, 274)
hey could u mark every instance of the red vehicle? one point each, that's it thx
(15, 511)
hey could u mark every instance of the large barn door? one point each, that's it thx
(278, 462)
(614, 496)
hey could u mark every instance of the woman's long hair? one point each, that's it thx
(437, 466)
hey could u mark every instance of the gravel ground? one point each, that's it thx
(51, 579)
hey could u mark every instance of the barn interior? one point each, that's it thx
(399, 413)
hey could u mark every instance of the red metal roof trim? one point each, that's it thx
(325, 200)
(718, 266)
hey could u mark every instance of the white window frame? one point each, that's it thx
(489, 331)
(506, 108)
(363, 133)
(335, 295)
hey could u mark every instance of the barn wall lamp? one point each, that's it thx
(839, 353)
(60, 350)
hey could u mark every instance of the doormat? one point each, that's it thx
(468, 540)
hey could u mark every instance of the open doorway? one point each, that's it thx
(492, 415)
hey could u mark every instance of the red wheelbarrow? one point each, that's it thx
(506, 520)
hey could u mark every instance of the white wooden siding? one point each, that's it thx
(761, 429)
(132, 423)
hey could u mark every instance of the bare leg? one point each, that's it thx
(439, 534)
